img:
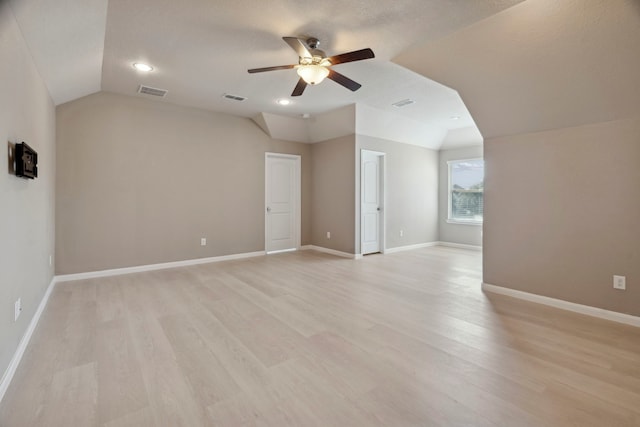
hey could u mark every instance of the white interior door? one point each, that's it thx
(372, 202)
(282, 202)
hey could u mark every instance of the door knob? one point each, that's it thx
(268, 209)
(378, 208)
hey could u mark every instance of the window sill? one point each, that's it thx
(461, 222)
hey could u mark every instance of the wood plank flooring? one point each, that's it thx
(308, 339)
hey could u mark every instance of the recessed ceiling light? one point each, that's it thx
(283, 101)
(142, 67)
(455, 117)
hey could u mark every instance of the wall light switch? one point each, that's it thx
(203, 241)
(328, 234)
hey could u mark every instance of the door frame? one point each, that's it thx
(297, 196)
(383, 198)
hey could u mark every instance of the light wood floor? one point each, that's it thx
(309, 339)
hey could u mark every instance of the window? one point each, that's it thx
(466, 188)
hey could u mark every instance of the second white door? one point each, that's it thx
(372, 202)
(282, 200)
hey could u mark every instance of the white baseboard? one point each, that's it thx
(460, 246)
(393, 250)
(410, 247)
(330, 251)
(281, 251)
(17, 356)
(151, 267)
(565, 305)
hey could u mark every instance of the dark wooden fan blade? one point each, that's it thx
(300, 87)
(262, 70)
(356, 55)
(344, 80)
(299, 46)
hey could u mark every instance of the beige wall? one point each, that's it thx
(140, 182)
(465, 234)
(411, 191)
(561, 213)
(333, 194)
(27, 206)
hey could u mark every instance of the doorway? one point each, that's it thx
(372, 209)
(282, 202)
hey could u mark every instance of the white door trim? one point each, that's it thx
(383, 197)
(297, 195)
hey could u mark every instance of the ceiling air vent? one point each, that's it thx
(152, 91)
(234, 97)
(403, 103)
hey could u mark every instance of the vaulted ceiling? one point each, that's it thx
(541, 64)
(518, 66)
(201, 49)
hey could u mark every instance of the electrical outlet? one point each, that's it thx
(620, 282)
(328, 235)
(401, 233)
(203, 241)
(18, 309)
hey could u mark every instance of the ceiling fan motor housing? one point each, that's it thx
(317, 54)
(313, 42)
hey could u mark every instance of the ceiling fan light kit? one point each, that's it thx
(313, 64)
(313, 74)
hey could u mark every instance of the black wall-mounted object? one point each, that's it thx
(26, 161)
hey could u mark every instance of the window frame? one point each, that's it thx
(451, 220)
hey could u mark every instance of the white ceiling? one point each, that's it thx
(66, 40)
(541, 64)
(201, 49)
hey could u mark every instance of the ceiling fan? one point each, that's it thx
(313, 64)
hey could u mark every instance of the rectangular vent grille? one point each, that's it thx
(152, 91)
(234, 97)
(403, 103)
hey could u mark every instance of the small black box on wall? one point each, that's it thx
(26, 161)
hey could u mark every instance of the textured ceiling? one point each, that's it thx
(542, 64)
(66, 40)
(518, 66)
(201, 49)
